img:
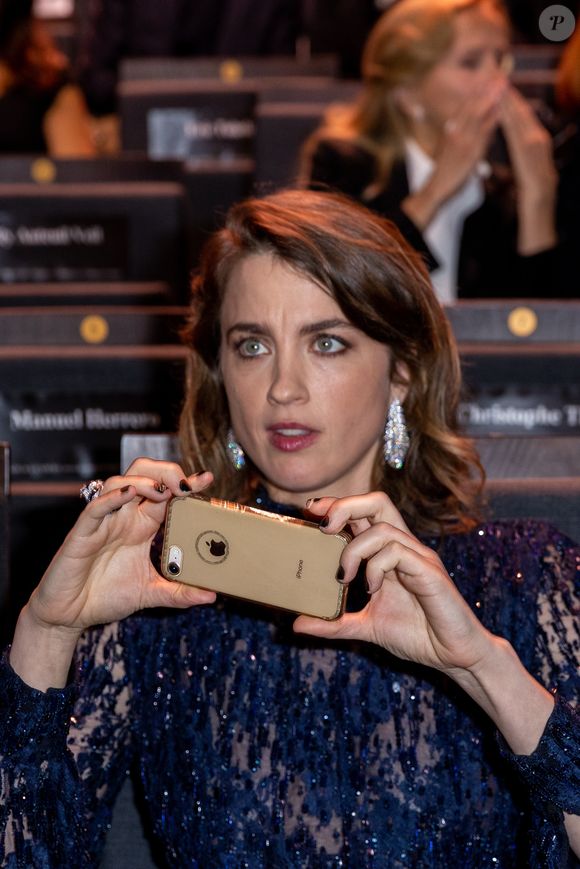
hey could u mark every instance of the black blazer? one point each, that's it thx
(489, 265)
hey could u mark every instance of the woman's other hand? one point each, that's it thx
(536, 177)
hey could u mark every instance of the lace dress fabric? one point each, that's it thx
(259, 748)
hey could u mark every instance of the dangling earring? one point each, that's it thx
(237, 457)
(396, 438)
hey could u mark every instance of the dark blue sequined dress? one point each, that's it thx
(257, 748)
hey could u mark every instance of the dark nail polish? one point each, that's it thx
(340, 573)
(125, 489)
(324, 522)
(184, 486)
(160, 487)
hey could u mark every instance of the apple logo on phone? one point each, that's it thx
(212, 547)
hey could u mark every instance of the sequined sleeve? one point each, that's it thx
(63, 757)
(552, 772)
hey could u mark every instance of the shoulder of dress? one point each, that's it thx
(518, 548)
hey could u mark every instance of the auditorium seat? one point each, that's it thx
(520, 362)
(228, 69)
(44, 170)
(212, 186)
(89, 326)
(281, 130)
(539, 457)
(95, 232)
(551, 499)
(64, 408)
(55, 293)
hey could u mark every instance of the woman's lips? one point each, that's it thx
(291, 437)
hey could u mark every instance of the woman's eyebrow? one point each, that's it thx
(256, 328)
(324, 325)
(307, 329)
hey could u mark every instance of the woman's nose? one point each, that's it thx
(288, 382)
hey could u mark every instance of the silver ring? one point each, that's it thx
(91, 490)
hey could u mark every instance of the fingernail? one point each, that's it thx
(340, 573)
(324, 522)
(160, 487)
(184, 486)
(125, 489)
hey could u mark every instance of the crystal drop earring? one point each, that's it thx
(396, 437)
(236, 453)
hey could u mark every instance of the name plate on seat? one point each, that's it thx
(517, 322)
(64, 415)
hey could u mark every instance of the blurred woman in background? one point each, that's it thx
(414, 148)
(41, 110)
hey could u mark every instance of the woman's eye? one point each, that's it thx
(329, 344)
(251, 347)
(471, 61)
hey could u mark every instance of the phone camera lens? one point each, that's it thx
(173, 568)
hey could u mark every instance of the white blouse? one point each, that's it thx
(443, 235)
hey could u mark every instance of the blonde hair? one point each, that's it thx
(405, 44)
(383, 288)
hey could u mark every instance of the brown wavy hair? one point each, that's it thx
(383, 288)
(404, 45)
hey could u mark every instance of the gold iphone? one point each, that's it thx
(255, 555)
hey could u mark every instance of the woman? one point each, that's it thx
(413, 148)
(41, 110)
(312, 321)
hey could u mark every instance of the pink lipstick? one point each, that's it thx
(291, 436)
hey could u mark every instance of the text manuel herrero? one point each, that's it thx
(83, 419)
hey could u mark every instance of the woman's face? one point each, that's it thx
(477, 60)
(308, 392)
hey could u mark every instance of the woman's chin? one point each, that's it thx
(293, 483)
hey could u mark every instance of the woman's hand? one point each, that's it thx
(529, 145)
(103, 570)
(463, 142)
(417, 614)
(536, 177)
(415, 611)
